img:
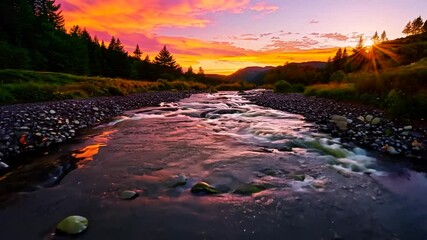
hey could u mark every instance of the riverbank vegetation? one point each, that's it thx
(388, 74)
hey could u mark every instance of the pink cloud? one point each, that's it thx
(335, 36)
(264, 7)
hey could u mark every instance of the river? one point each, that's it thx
(315, 187)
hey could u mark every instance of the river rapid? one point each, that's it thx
(315, 187)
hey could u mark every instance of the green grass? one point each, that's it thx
(402, 91)
(17, 86)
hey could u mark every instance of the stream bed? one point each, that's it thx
(315, 188)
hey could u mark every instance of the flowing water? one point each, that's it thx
(315, 188)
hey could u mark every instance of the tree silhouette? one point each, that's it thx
(48, 10)
(360, 45)
(408, 29)
(137, 53)
(417, 25)
(344, 53)
(165, 59)
(384, 37)
(375, 38)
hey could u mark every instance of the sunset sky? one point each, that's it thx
(225, 35)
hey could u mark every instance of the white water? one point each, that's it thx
(228, 113)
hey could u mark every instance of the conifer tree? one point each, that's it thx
(338, 55)
(417, 26)
(344, 53)
(360, 45)
(375, 38)
(165, 59)
(384, 36)
(49, 11)
(408, 29)
(137, 53)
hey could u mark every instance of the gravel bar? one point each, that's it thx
(25, 128)
(355, 124)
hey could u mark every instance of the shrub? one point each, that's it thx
(339, 76)
(282, 86)
(396, 102)
(299, 88)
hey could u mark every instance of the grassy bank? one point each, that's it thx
(402, 91)
(18, 86)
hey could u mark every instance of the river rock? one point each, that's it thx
(203, 188)
(369, 118)
(73, 225)
(375, 121)
(128, 195)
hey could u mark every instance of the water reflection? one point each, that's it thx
(48, 171)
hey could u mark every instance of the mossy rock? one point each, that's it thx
(72, 225)
(299, 178)
(375, 121)
(249, 189)
(128, 195)
(203, 188)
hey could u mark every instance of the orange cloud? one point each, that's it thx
(144, 16)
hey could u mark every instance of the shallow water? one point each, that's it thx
(227, 142)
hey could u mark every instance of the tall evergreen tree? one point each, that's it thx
(338, 56)
(344, 53)
(165, 59)
(137, 53)
(49, 11)
(375, 38)
(384, 36)
(425, 26)
(417, 26)
(360, 45)
(408, 29)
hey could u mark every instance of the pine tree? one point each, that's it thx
(408, 29)
(360, 45)
(384, 37)
(425, 26)
(344, 53)
(338, 55)
(165, 59)
(201, 75)
(417, 25)
(375, 38)
(49, 11)
(137, 53)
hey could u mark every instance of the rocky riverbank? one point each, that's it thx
(354, 124)
(26, 128)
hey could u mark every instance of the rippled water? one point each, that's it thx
(315, 188)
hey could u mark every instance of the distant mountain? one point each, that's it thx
(248, 74)
(313, 64)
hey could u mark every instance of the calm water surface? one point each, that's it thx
(224, 140)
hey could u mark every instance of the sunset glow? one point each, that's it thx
(224, 35)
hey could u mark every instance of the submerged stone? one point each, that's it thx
(299, 177)
(249, 189)
(180, 180)
(203, 188)
(73, 225)
(128, 195)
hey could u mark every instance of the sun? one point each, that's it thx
(369, 43)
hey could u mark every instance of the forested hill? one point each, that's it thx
(33, 37)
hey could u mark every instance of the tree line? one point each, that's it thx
(33, 36)
(415, 27)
